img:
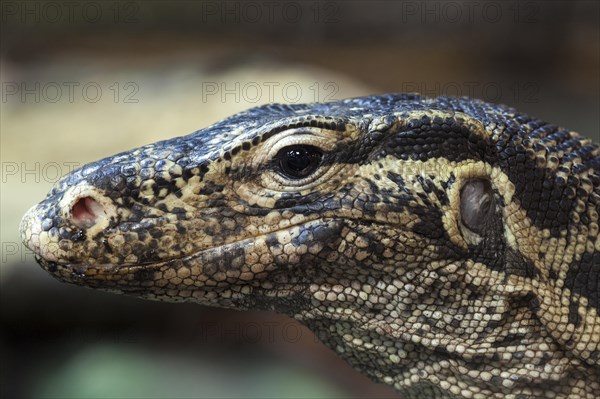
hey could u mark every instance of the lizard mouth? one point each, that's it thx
(229, 258)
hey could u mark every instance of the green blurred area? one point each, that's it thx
(117, 371)
(187, 64)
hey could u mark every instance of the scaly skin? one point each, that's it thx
(447, 247)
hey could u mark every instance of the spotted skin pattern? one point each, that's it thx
(370, 250)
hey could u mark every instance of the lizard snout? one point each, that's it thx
(32, 229)
(57, 229)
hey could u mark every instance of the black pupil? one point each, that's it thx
(299, 161)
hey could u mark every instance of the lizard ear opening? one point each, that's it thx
(476, 205)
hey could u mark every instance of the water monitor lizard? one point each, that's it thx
(448, 247)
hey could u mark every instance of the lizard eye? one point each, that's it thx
(476, 204)
(298, 161)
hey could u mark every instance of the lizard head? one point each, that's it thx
(273, 201)
(393, 226)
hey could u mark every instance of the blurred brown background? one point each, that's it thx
(85, 80)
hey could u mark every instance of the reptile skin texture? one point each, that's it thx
(445, 246)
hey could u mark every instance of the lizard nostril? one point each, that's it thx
(85, 212)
